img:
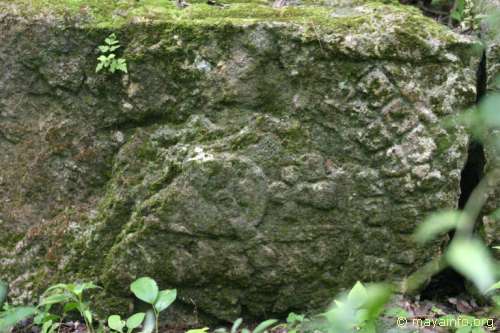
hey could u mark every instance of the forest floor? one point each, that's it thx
(403, 314)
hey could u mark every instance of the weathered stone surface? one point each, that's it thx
(490, 34)
(257, 163)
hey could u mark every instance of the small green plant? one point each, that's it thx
(48, 322)
(357, 311)
(70, 296)
(108, 59)
(116, 323)
(293, 323)
(147, 291)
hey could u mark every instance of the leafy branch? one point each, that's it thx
(108, 59)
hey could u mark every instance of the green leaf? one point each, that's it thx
(369, 327)
(264, 325)
(111, 39)
(341, 318)
(494, 287)
(113, 48)
(236, 325)
(294, 318)
(87, 315)
(135, 320)
(437, 223)
(199, 330)
(122, 67)
(70, 306)
(46, 326)
(62, 286)
(79, 288)
(220, 330)
(471, 258)
(116, 323)
(361, 316)
(71, 288)
(121, 64)
(14, 315)
(55, 299)
(377, 296)
(54, 327)
(165, 298)
(39, 318)
(104, 48)
(357, 295)
(44, 316)
(145, 289)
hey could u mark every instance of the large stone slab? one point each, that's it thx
(258, 160)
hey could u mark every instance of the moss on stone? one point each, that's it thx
(377, 29)
(263, 154)
(111, 12)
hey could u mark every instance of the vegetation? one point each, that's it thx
(69, 298)
(359, 310)
(107, 59)
(116, 323)
(146, 290)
